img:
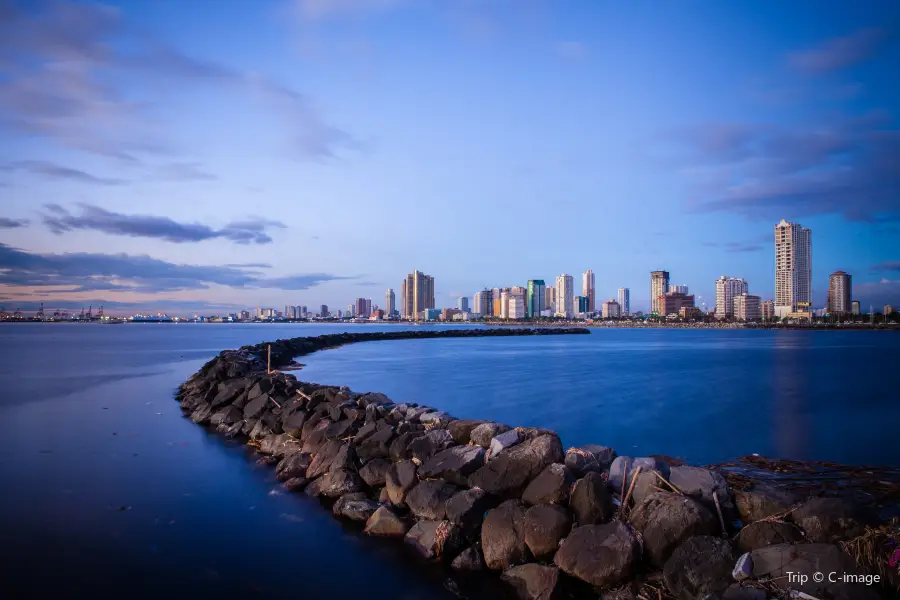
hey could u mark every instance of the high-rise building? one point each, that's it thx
(839, 293)
(484, 303)
(580, 304)
(727, 288)
(351, 310)
(418, 294)
(854, 307)
(624, 302)
(888, 309)
(301, 312)
(793, 268)
(550, 299)
(679, 289)
(747, 308)
(363, 307)
(323, 311)
(497, 300)
(587, 289)
(535, 298)
(612, 309)
(390, 303)
(565, 295)
(659, 284)
(462, 303)
(516, 299)
(289, 312)
(768, 310)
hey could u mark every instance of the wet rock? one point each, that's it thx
(202, 414)
(399, 448)
(296, 484)
(503, 536)
(293, 466)
(589, 458)
(601, 555)
(400, 479)
(323, 459)
(434, 539)
(829, 520)
(279, 445)
(385, 522)
(454, 464)
(461, 430)
(466, 508)
(545, 526)
(774, 562)
(248, 427)
(620, 470)
(484, 433)
(375, 471)
(767, 533)
(667, 520)
(591, 500)
(226, 416)
(335, 484)
(428, 499)
(534, 582)
(761, 502)
(376, 445)
(359, 510)
(698, 567)
(701, 484)
(551, 486)
(260, 431)
(231, 431)
(502, 441)
(255, 408)
(512, 470)
(293, 424)
(469, 559)
(430, 443)
(337, 509)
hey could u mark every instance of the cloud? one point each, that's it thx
(119, 307)
(322, 10)
(574, 51)
(839, 53)
(889, 265)
(54, 171)
(183, 172)
(877, 293)
(85, 272)
(6, 223)
(59, 220)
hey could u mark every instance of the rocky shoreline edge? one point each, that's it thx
(483, 496)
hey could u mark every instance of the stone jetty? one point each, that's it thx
(552, 522)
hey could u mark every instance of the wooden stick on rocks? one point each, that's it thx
(630, 489)
(665, 481)
(269, 360)
(719, 511)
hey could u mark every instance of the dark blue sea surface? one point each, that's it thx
(107, 489)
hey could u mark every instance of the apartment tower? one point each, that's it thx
(390, 303)
(727, 289)
(625, 301)
(587, 288)
(418, 294)
(534, 301)
(659, 285)
(793, 268)
(565, 295)
(839, 293)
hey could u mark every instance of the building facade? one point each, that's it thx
(611, 309)
(550, 299)
(516, 300)
(587, 289)
(323, 311)
(793, 268)
(659, 285)
(888, 309)
(418, 294)
(462, 303)
(747, 308)
(767, 310)
(582, 305)
(484, 303)
(535, 298)
(363, 307)
(673, 302)
(679, 289)
(496, 295)
(625, 301)
(390, 303)
(839, 293)
(565, 295)
(854, 307)
(727, 289)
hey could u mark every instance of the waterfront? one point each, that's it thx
(80, 441)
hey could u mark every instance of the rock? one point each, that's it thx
(399, 448)
(255, 408)
(311, 424)
(622, 593)
(775, 562)
(590, 457)
(249, 426)
(454, 464)
(293, 466)
(533, 582)
(226, 416)
(202, 414)
(510, 472)
(316, 438)
(428, 499)
(323, 459)
(645, 485)
(766, 533)
(761, 502)
(466, 508)
(743, 568)
(434, 539)
(620, 470)
(360, 510)
(461, 430)
(484, 433)
(503, 536)
(260, 431)
(231, 431)
(279, 445)
(438, 418)
(293, 424)
(337, 508)
(700, 566)
(545, 526)
(400, 478)
(652, 463)
(667, 520)
(591, 500)
(502, 441)
(701, 484)
(829, 520)
(296, 484)
(601, 555)
(469, 559)
(340, 430)
(551, 486)
(737, 592)
(385, 522)
(376, 445)
(335, 484)
(375, 471)
(430, 443)
(383, 496)
(228, 393)
(271, 420)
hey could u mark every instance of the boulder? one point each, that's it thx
(484, 433)
(384, 522)
(383, 496)
(271, 419)
(293, 466)
(428, 499)
(316, 438)
(645, 485)
(227, 416)
(601, 555)
(512, 470)
(202, 414)
(545, 526)
(279, 445)
(701, 484)
(761, 502)
(590, 457)
(255, 408)
(461, 430)
(360, 510)
(534, 582)
(551, 486)
(228, 393)
(311, 424)
(502, 441)
(376, 445)
(375, 471)
(666, 520)
(454, 464)
(296, 484)
(337, 508)
(743, 568)
(469, 559)
(430, 443)
(775, 562)
(620, 470)
(437, 418)
(829, 520)
(698, 567)
(466, 508)
(399, 448)
(340, 430)
(231, 431)
(652, 463)
(503, 536)
(591, 500)
(335, 484)
(367, 429)
(400, 478)
(293, 423)
(766, 533)
(434, 539)
(333, 454)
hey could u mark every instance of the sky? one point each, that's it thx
(212, 156)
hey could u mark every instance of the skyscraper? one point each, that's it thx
(418, 294)
(496, 301)
(550, 299)
(624, 301)
(565, 295)
(323, 311)
(793, 268)
(587, 288)
(839, 293)
(484, 303)
(363, 307)
(727, 288)
(534, 303)
(390, 303)
(462, 303)
(659, 285)
(516, 299)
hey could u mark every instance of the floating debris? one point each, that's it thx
(291, 518)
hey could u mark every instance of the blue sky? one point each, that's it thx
(194, 155)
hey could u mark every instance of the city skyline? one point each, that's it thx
(144, 167)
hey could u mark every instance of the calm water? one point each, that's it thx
(88, 425)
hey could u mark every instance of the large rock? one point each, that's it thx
(761, 502)
(591, 500)
(202, 414)
(534, 582)
(435, 539)
(333, 454)
(469, 559)
(652, 463)
(399, 448)
(621, 470)
(502, 441)
(666, 520)
(400, 478)
(466, 508)
(254, 409)
(484, 433)
(316, 437)
(429, 444)
(279, 445)
(375, 471)
(698, 567)
(551, 486)
(461, 430)
(512, 470)
(293, 466)
(293, 423)
(341, 430)
(646, 484)
(590, 457)
(337, 509)
(385, 522)
(545, 526)
(296, 484)
(376, 445)
(775, 562)
(601, 555)
(766, 533)
(359, 509)
(228, 416)
(701, 484)
(453, 464)
(503, 536)
(428, 500)
(829, 520)
(335, 484)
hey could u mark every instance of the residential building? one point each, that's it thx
(418, 294)
(535, 298)
(462, 303)
(888, 309)
(625, 302)
(429, 314)
(727, 288)
(363, 307)
(378, 314)
(611, 309)
(351, 310)
(447, 314)
(516, 300)
(672, 303)
(793, 268)
(484, 303)
(301, 312)
(323, 311)
(839, 293)
(854, 307)
(747, 308)
(245, 315)
(390, 303)
(497, 300)
(679, 289)
(659, 283)
(565, 295)
(689, 313)
(587, 289)
(550, 299)
(767, 310)
(266, 313)
(289, 312)
(580, 305)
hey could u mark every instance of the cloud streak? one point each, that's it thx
(889, 265)
(6, 223)
(839, 53)
(53, 171)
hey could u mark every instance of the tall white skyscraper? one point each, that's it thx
(390, 303)
(727, 289)
(565, 296)
(625, 301)
(587, 289)
(793, 268)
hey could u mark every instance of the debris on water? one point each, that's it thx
(291, 518)
(274, 492)
(105, 408)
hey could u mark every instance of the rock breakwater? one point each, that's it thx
(484, 496)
